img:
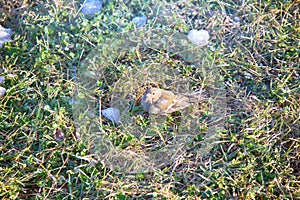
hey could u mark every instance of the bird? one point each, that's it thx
(162, 102)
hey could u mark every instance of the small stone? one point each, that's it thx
(91, 7)
(2, 91)
(112, 114)
(199, 38)
(140, 21)
(236, 19)
(5, 34)
(2, 79)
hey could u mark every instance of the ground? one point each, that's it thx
(254, 46)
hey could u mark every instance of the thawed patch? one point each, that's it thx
(115, 76)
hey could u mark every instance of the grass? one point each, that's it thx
(255, 156)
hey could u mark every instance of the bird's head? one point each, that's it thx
(152, 95)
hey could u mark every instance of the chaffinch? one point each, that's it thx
(162, 102)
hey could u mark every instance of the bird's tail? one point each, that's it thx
(197, 97)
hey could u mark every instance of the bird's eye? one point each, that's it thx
(153, 93)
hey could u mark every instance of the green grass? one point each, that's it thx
(256, 156)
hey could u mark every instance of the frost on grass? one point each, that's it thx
(121, 70)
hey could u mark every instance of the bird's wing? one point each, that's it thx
(196, 97)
